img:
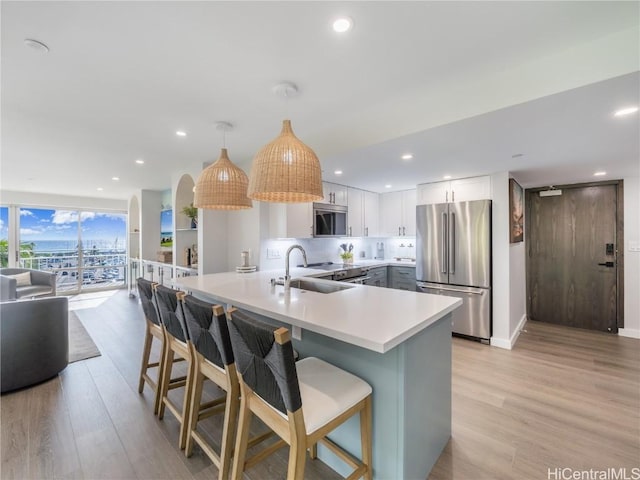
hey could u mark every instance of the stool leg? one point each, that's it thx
(166, 377)
(146, 353)
(196, 398)
(159, 382)
(365, 437)
(242, 439)
(313, 451)
(298, 447)
(186, 403)
(229, 429)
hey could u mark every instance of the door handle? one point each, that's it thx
(452, 248)
(445, 246)
(607, 264)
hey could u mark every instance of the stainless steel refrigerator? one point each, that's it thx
(453, 257)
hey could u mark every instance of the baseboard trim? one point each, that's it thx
(501, 343)
(508, 344)
(628, 332)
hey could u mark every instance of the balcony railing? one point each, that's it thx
(96, 270)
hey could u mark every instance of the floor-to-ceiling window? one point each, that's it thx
(4, 236)
(86, 249)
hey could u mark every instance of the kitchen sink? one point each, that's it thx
(302, 284)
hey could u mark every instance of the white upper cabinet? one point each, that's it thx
(291, 220)
(409, 212)
(371, 203)
(334, 193)
(462, 190)
(398, 213)
(355, 214)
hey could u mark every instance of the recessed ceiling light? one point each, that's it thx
(338, 172)
(447, 177)
(342, 24)
(599, 174)
(407, 156)
(180, 133)
(140, 161)
(625, 111)
(100, 189)
(387, 186)
(36, 45)
(115, 179)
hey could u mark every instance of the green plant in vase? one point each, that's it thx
(192, 213)
(347, 253)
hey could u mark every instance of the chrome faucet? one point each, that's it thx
(287, 277)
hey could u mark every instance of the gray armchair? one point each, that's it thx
(34, 340)
(42, 284)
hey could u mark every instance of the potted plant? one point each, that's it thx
(347, 253)
(192, 213)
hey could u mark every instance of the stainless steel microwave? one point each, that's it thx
(329, 220)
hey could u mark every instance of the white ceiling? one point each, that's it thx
(462, 85)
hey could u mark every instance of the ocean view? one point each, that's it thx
(58, 246)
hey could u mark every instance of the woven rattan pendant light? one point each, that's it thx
(222, 185)
(285, 170)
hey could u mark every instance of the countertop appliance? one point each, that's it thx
(454, 259)
(329, 220)
(340, 272)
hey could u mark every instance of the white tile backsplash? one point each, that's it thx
(328, 249)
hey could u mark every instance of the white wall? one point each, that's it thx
(150, 207)
(517, 289)
(244, 234)
(501, 336)
(32, 199)
(631, 259)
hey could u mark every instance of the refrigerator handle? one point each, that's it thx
(452, 244)
(444, 243)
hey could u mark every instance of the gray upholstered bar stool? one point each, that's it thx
(153, 330)
(301, 401)
(212, 358)
(175, 344)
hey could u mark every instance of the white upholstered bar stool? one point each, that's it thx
(212, 359)
(153, 329)
(175, 344)
(301, 402)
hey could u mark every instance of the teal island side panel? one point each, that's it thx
(411, 400)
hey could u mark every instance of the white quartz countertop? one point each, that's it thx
(375, 318)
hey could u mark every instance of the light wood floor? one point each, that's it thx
(561, 398)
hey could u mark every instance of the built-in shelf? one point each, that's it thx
(186, 229)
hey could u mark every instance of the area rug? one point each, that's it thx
(81, 346)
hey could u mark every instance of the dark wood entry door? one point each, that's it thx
(572, 267)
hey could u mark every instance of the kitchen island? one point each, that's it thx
(398, 341)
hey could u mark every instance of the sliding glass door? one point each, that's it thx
(85, 249)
